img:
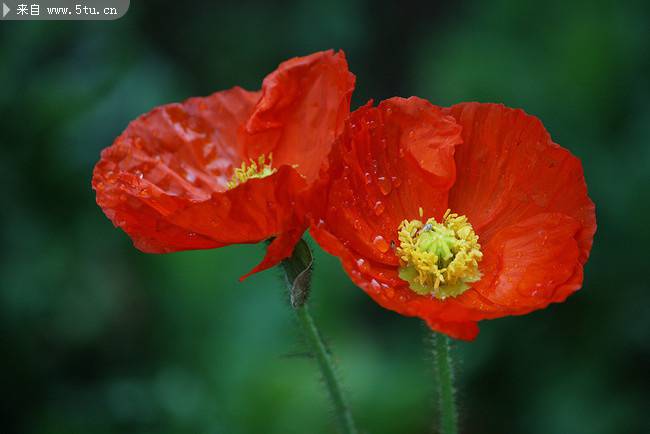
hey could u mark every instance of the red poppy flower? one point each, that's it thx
(233, 167)
(519, 229)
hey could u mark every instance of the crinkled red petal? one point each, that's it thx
(168, 160)
(164, 180)
(509, 169)
(280, 248)
(390, 161)
(526, 267)
(534, 245)
(302, 110)
(382, 283)
(532, 263)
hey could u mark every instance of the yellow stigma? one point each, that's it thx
(439, 259)
(254, 169)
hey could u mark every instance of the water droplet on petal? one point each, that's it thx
(362, 264)
(379, 208)
(385, 186)
(380, 244)
(190, 176)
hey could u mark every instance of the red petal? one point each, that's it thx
(167, 160)
(303, 107)
(532, 257)
(164, 179)
(531, 264)
(390, 161)
(279, 249)
(466, 331)
(526, 267)
(382, 283)
(509, 169)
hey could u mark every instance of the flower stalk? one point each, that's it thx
(444, 372)
(326, 365)
(297, 270)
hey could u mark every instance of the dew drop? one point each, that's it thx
(362, 264)
(380, 244)
(385, 186)
(379, 208)
(190, 176)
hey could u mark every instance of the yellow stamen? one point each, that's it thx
(254, 169)
(439, 259)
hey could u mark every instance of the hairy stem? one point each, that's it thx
(326, 364)
(444, 371)
(297, 271)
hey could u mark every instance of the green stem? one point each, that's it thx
(297, 271)
(326, 364)
(448, 413)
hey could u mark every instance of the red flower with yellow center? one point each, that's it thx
(455, 215)
(233, 167)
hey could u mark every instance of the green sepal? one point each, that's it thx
(297, 270)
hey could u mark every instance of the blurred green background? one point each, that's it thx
(97, 337)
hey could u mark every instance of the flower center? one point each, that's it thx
(253, 169)
(439, 259)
